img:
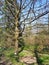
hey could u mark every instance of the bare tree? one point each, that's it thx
(20, 13)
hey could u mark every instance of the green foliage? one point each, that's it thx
(42, 41)
(44, 58)
(29, 47)
(25, 53)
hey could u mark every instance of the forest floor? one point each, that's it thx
(25, 57)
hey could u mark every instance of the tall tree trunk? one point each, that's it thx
(16, 35)
(48, 22)
(19, 42)
(16, 30)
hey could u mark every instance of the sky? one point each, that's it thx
(37, 4)
(36, 7)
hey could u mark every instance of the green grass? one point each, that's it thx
(9, 53)
(25, 53)
(44, 58)
(29, 47)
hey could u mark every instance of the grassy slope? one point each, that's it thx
(9, 53)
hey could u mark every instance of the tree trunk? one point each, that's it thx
(37, 56)
(16, 35)
(48, 22)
